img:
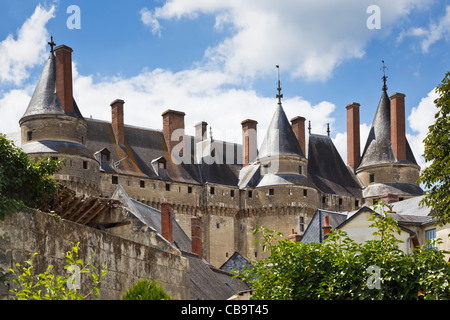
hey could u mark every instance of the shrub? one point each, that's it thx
(145, 289)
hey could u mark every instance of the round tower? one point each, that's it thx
(52, 125)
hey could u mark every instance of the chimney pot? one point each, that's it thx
(353, 136)
(64, 86)
(249, 141)
(398, 135)
(167, 221)
(326, 225)
(117, 121)
(298, 126)
(294, 237)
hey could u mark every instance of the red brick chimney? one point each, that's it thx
(173, 120)
(326, 225)
(249, 141)
(117, 121)
(298, 126)
(398, 135)
(200, 130)
(294, 237)
(64, 88)
(353, 139)
(196, 235)
(389, 198)
(167, 221)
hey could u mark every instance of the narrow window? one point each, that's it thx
(340, 201)
(29, 135)
(300, 169)
(271, 192)
(324, 199)
(115, 180)
(211, 190)
(430, 235)
(85, 165)
(302, 224)
(372, 178)
(356, 203)
(142, 183)
(167, 187)
(217, 225)
(250, 194)
(189, 189)
(232, 193)
(305, 192)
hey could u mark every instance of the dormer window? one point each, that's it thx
(160, 166)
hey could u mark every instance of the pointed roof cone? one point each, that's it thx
(378, 147)
(280, 139)
(44, 99)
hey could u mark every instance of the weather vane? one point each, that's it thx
(384, 75)
(279, 95)
(52, 44)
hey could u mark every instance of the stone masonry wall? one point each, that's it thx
(31, 231)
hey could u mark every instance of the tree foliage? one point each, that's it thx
(24, 181)
(340, 268)
(146, 289)
(436, 177)
(47, 286)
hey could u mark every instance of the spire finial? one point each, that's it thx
(52, 44)
(328, 129)
(384, 75)
(309, 126)
(279, 95)
(210, 133)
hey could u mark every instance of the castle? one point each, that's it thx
(231, 187)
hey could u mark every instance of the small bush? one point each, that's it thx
(145, 289)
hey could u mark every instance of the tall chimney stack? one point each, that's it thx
(173, 121)
(196, 235)
(249, 141)
(298, 126)
(167, 221)
(117, 121)
(326, 225)
(353, 138)
(398, 134)
(200, 130)
(64, 88)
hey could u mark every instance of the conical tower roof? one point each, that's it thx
(44, 99)
(280, 139)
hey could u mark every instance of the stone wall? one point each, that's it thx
(31, 231)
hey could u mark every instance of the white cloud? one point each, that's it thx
(430, 35)
(17, 56)
(148, 19)
(309, 38)
(419, 120)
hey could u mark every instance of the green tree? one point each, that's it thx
(24, 181)
(340, 268)
(436, 177)
(146, 289)
(47, 286)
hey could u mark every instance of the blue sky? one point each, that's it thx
(215, 60)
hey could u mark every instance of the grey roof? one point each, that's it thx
(378, 148)
(280, 139)
(397, 188)
(411, 206)
(314, 231)
(327, 170)
(284, 179)
(61, 147)
(206, 281)
(44, 99)
(235, 262)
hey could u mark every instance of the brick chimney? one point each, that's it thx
(294, 237)
(173, 120)
(249, 141)
(200, 130)
(353, 138)
(196, 235)
(398, 135)
(167, 221)
(326, 225)
(117, 121)
(298, 126)
(64, 88)
(389, 198)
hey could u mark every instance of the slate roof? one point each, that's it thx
(327, 170)
(280, 139)
(206, 281)
(314, 231)
(378, 148)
